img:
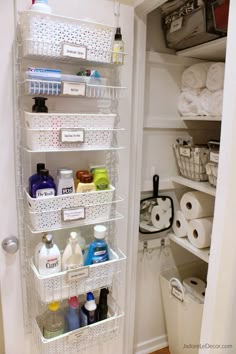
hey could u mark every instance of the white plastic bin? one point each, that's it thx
(183, 318)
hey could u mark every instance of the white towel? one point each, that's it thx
(195, 76)
(211, 103)
(215, 77)
(189, 104)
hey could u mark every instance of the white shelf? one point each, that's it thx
(165, 184)
(214, 50)
(184, 242)
(204, 187)
(164, 123)
(80, 149)
(202, 118)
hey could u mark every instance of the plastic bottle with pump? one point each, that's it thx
(41, 6)
(72, 314)
(72, 257)
(49, 260)
(98, 249)
(53, 322)
(88, 311)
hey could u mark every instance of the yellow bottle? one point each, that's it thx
(86, 184)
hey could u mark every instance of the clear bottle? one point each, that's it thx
(72, 256)
(86, 184)
(41, 6)
(53, 321)
(45, 186)
(65, 182)
(118, 49)
(49, 260)
(98, 249)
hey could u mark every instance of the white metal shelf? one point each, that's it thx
(77, 150)
(204, 187)
(203, 254)
(214, 50)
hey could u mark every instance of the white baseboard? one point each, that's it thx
(152, 345)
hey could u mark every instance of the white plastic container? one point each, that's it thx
(41, 6)
(49, 260)
(72, 257)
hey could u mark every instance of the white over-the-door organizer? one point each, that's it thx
(51, 40)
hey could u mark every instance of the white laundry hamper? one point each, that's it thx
(184, 314)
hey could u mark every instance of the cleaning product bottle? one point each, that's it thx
(88, 311)
(86, 184)
(39, 105)
(41, 6)
(102, 309)
(53, 321)
(35, 177)
(65, 182)
(72, 314)
(98, 249)
(38, 249)
(45, 186)
(72, 256)
(49, 260)
(118, 49)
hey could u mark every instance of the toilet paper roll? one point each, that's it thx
(167, 217)
(195, 205)
(195, 287)
(180, 224)
(164, 203)
(157, 217)
(199, 232)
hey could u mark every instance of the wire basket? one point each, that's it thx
(192, 161)
(82, 338)
(66, 284)
(212, 172)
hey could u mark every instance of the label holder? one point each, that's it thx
(71, 88)
(77, 274)
(74, 51)
(177, 293)
(185, 151)
(72, 135)
(74, 337)
(73, 214)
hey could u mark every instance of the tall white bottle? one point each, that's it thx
(49, 258)
(72, 257)
(38, 249)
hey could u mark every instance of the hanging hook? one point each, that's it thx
(163, 248)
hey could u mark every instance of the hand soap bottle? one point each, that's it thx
(72, 314)
(88, 311)
(72, 257)
(49, 257)
(98, 249)
(45, 187)
(37, 251)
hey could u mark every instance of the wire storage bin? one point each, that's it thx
(64, 38)
(82, 338)
(212, 166)
(69, 210)
(79, 281)
(191, 161)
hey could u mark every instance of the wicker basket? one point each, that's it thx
(192, 161)
(212, 171)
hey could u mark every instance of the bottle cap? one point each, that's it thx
(100, 231)
(73, 302)
(90, 305)
(80, 173)
(40, 166)
(100, 170)
(40, 100)
(73, 235)
(49, 241)
(61, 169)
(63, 173)
(86, 178)
(118, 35)
(54, 306)
(44, 172)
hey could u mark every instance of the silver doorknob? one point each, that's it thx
(10, 244)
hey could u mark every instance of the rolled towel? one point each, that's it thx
(188, 104)
(195, 76)
(215, 77)
(210, 103)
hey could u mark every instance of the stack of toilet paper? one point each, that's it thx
(195, 218)
(162, 213)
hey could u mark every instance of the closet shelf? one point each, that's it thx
(202, 118)
(203, 254)
(204, 187)
(214, 50)
(165, 184)
(80, 149)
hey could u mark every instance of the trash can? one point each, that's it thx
(183, 311)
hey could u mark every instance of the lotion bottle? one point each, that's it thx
(49, 257)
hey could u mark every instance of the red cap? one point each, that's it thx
(73, 302)
(33, 1)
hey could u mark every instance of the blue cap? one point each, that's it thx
(90, 296)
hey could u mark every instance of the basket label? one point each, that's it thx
(74, 337)
(79, 273)
(73, 214)
(176, 25)
(214, 157)
(74, 88)
(72, 135)
(176, 292)
(74, 51)
(184, 151)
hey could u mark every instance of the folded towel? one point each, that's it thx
(195, 76)
(211, 102)
(215, 77)
(189, 104)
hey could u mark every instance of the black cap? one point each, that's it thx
(44, 172)
(118, 35)
(40, 166)
(40, 100)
